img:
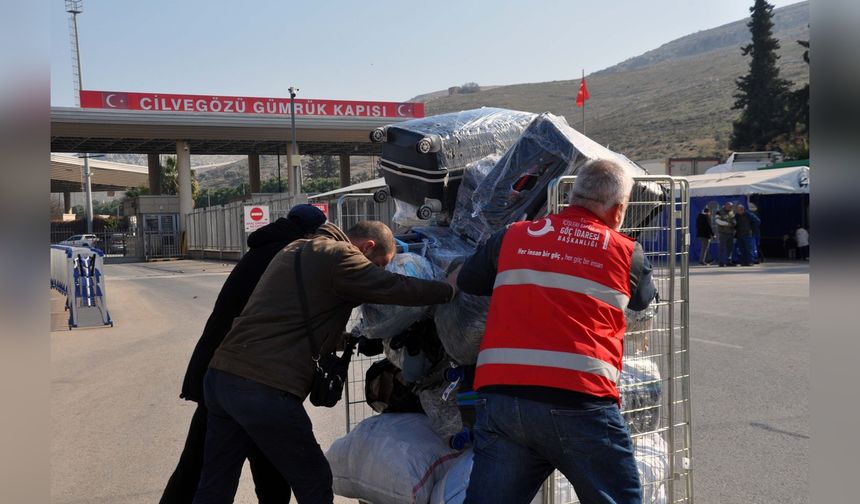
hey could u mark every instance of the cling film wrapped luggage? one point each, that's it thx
(460, 324)
(463, 223)
(443, 412)
(516, 188)
(386, 321)
(423, 159)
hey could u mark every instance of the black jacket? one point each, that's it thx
(703, 226)
(263, 245)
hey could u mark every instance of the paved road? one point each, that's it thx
(119, 425)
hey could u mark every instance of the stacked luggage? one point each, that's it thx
(462, 177)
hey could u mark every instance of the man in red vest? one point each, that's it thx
(551, 353)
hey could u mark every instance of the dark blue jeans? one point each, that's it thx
(244, 413)
(519, 442)
(727, 245)
(746, 244)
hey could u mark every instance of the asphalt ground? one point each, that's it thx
(119, 424)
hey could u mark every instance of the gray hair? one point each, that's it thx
(600, 185)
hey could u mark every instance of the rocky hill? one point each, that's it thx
(674, 100)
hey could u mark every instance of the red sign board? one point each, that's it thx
(247, 105)
(256, 213)
(322, 206)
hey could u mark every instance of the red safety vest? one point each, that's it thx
(556, 317)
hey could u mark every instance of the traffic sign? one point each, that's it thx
(256, 216)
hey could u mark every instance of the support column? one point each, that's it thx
(344, 170)
(183, 168)
(154, 174)
(67, 202)
(254, 172)
(293, 171)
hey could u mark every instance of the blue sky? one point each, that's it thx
(380, 50)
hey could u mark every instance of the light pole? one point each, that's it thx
(75, 7)
(296, 173)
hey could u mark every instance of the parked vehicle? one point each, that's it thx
(84, 240)
(116, 243)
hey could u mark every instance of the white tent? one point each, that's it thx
(793, 180)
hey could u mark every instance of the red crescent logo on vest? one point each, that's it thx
(547, 228)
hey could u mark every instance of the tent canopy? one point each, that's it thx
(794, 180)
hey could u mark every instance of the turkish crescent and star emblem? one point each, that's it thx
(545, 229)
(116, 100)
(404, 110)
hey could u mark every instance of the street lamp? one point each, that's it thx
(297, 175)
(75, 7)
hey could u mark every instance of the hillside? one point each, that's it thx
(672, 101)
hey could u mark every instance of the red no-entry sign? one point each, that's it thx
(256, 216)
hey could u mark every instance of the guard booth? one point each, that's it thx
(655, 382)
(153, 231)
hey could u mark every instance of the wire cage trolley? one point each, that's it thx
(655, 379)
(78, 274)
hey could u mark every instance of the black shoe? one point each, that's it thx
(722, 265)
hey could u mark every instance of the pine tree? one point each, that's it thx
(762, 95)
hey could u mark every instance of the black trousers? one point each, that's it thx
(243, 414)
(270, 486)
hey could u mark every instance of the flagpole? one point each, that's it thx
(583, 105)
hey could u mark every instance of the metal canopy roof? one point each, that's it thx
(124, 131)
(106, 175)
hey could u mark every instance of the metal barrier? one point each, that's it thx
(77, 273)
(220, 229)
(659, 343)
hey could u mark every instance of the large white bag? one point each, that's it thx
(452, 488)
(392, 458)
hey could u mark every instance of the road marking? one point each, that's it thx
(718, 343)
(175, 275)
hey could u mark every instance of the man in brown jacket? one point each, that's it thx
(262, 372)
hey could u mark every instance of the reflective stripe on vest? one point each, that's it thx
(562, 281)
(549, 358)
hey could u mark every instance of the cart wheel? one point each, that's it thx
(425, 212)
(380, 196)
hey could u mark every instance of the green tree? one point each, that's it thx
(320, 167)
(170, 179)
(762, 95)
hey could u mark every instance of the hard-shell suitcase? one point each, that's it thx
(423, 159)
(516, 188)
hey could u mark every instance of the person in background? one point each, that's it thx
(551, 352)
(263, 244)
(262, 372)
(725, 220)
(745, 222)
(801, 235)
(757, 254)
(705, 234)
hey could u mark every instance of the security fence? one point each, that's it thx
(219, 231)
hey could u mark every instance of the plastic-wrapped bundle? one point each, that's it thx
(652, 460)
(423, 159)
(516, 188)
(451, 489)
(444, 247)
(463, 222)
(460, 325)
(393, 458)
(386, 321)
(444, 413)
(406, 215)
(641, 391)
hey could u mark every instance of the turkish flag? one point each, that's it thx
(582, 95)
(115, 100)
